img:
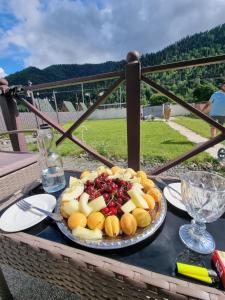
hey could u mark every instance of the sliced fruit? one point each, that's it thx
(83, 204)
(97, 204)
(137, 186)
(135, 179)
(142, 217)
(112, 226)
(147, 183)
(69, 207)
(141, 174)
(133, 173)
(84, 174)
(108, 171)
(116, 169)
(74, 181)
(128, 224)
(137, 198)
(96, 220)
(100, 170)
(155, 193)
(73, 193)
(128, 206)
(150, 200)
(90, 177)
(127, 175)
(77, 219)
(87, 234)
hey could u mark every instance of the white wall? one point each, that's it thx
(29, 121)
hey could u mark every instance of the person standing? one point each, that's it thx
(216, 108)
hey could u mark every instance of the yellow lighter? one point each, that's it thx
(196, 272)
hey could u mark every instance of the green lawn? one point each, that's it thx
(158, 141)
(197, 125)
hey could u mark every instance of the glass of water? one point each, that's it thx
(203, 195)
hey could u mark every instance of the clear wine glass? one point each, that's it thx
(203, 195)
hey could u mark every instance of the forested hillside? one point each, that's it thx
(182, 82)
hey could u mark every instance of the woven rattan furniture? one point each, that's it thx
(17, 170)
(97, 275)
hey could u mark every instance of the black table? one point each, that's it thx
(158, 253)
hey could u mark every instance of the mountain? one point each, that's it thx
(181, 82)
(198, 45)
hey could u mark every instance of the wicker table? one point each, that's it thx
(143, 271)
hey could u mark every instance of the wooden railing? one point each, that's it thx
(132, 75)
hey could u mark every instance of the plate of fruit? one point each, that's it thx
(111, 208)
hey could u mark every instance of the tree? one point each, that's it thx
(203, 92)
(158, 99)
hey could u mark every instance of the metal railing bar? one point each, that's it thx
(196, 150)
(75, 81)
(17, 131)
(62, 131)
(173, 97)
(90, 110)
(185, 64)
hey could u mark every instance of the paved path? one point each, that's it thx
(195, 138)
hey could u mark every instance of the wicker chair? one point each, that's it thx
(17, 170)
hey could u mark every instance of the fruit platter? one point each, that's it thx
(111, 208)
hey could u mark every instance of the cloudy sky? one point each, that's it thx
(45, 32)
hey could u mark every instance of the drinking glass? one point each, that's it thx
(203, 195)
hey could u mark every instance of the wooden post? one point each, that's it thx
(133, 76)
(11, 117)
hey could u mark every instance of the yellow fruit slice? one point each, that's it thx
(84, 174)
(116, 169)
(150, 200)
(155, 193)
(77, 219)
(112, 226)
(128, 224)
(147, 183)
(141, 174)
(128, 206)
(137, 198)
(87, 234)
(142, 217)
(97, 204)
(69, 207)
(83, 204)
(96, 220)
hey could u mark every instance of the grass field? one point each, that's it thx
(158, 141)
(197, 125)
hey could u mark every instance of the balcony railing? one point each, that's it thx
(132, 75)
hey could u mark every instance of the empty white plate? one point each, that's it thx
(173, 197)
(14, 219)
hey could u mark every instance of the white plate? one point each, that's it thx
(172, 197)
(15, 219)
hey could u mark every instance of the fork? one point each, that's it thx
(23, 205)
(160, 180)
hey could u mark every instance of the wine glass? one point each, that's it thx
(203, 195)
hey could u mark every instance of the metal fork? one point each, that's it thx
(161, 181)
(22, 204)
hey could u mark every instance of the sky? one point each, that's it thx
(44, 32)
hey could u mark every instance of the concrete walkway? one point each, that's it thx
(195, 138)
